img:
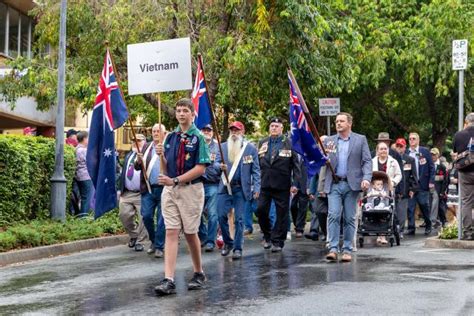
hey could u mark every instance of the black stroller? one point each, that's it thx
(378, 213)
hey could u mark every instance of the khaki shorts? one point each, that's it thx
(182, 207)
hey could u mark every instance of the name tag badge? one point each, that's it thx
(284, 153)
(247, 159)
(407, 167)
(263, 149)
(422, 161)
(439, 178)
(212, 157)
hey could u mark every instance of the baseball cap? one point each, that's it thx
(401, 142)
(434, 151)
(71, 132)
(238, 125)
(208, 126)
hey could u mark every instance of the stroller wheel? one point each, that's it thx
(361, 242)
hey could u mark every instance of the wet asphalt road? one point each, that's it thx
(401, 280)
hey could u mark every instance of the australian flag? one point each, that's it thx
(110, 112)
(302, 140)
(202, 108)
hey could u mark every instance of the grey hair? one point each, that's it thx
(470, 119)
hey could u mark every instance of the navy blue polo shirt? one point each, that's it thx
(194, 151)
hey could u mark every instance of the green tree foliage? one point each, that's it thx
(389, 61)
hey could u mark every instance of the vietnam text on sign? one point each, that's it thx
(329, 106)
(460, 54)
(159, 66)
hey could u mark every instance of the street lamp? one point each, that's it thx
(58, 181)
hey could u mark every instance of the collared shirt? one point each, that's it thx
(415, 153)
(81, 167)
(342, 156)
(134, 183)
(155, 169)
(195, 152)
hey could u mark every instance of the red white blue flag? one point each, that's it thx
(109, 113)
(302, 140)
(202, 108)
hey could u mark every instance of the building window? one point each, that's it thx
(3, 24)
(25, 35)
(14, 22)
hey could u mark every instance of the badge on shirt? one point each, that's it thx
(331, 147)
(284, 153)
(407, 167)
(212, 156)
(422, 160)
(263, 149)
(247, 159)
(187, 156)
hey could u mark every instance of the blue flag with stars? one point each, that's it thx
(302, 140)
(109, 113)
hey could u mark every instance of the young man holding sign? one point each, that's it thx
(186, 156)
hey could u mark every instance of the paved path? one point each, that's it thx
(401, 280)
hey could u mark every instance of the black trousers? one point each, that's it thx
(299, 207)
(277, 235)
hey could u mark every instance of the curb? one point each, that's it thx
(17, 256)
(435, 242)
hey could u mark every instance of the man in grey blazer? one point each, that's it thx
(350, 157)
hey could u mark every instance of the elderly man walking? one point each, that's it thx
(350, 157)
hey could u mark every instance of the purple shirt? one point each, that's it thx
(81, 168)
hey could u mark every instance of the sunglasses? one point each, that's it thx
(412, 138)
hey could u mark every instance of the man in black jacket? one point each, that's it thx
(462, 140)
(409, 184)
(277, 162)
(439, 206)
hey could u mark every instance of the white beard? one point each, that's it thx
(233, 148)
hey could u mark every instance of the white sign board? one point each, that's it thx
(329, 106)
(460, 54)
(159, 66)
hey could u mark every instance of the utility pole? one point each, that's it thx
(58, 181)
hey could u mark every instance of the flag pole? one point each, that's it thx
(214, 124)
(310, 121)
(160, 136)
(129, 116)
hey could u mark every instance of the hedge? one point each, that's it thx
(26, 168)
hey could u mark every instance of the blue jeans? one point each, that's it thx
(423, 199)
(150, 202)
(85, 188)
(208, 233)
(341, 199)
(250, 209)
(224, 203)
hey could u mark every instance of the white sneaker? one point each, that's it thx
(288, 236)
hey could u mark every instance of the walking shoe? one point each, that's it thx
(313, 236)
(427, 231)
(422, 225)
(401, 235)
(132, 242)
(299, 235)
(198, 281)
(266, 245)
(437, 225)
(288, 236)
(237, 255)
(226, 250)
(276, 248)
(209, 248)
(331, 256)
(346, 257)
(151, 250)
(159, 253)
(410, 232)
(139, 247)
(165, 287)
(248, 232)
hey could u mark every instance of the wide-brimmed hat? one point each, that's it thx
(383, 136)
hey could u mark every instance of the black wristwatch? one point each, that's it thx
(175, 181)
